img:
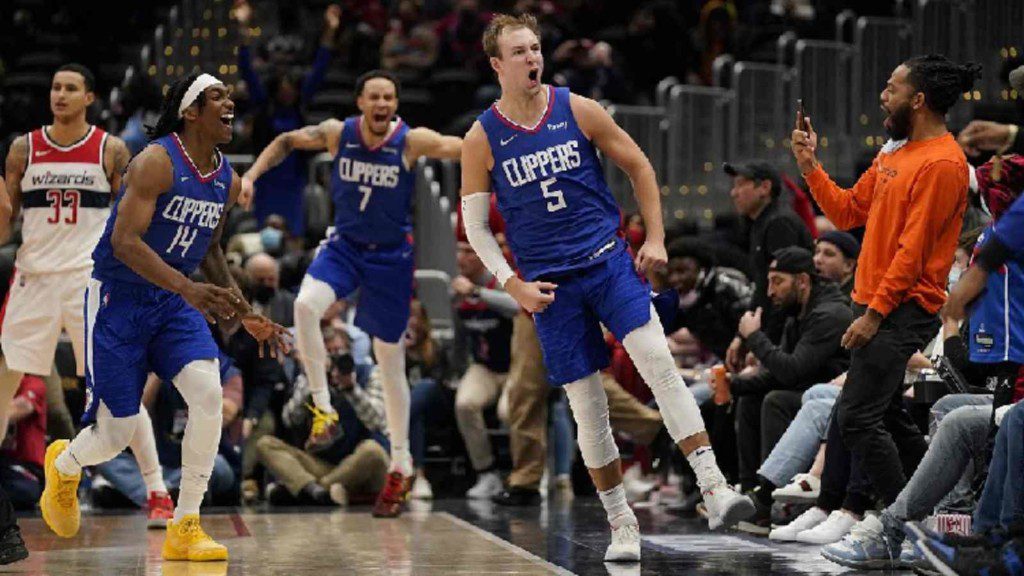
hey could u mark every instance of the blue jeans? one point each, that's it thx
(22, 485)
(560, 435)
(701, 392)
(123, 474)
(951, 402)
(1002, 500)
(795, 451)
(428, 402)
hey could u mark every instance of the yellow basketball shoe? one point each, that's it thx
(187, 541)
(59, 502)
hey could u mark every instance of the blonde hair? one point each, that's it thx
(501, 22)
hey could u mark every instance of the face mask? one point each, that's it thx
(271, 239)
(954, 276)
(263, 294)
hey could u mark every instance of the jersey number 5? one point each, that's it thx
(58, 199)
(555, 205)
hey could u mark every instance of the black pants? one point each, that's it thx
(760, 422)
(843, 482)
(873, 423)
(7, 519)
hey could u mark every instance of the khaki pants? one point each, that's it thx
(479, 389)
(528, 391)
(361, 472)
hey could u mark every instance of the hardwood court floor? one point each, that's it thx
(449, 537)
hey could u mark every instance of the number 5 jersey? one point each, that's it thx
(66, 201)
(183, 221)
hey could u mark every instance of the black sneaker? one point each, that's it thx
(12, 547)
(315, 495)
(760, 523)
(278, 495)
(967, 560)
(516, 496)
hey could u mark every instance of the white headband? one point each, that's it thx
(201, 83)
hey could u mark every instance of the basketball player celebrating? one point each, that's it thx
(144, 315)
(536, 147)
(62, 176)
(372, 180)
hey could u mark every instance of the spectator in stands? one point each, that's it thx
(21, 468)
(769, 396)
(588, 69)
(771, 225)
(432, 403)
(267, 295)
(987, 136)
(170, 413)
(835, 258)
(352, 464)
(278, 105)
(704, 298)
(411, 42)
(485, 312)
(911, 202)
(460, 34)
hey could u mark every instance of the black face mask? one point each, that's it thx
(263, 294)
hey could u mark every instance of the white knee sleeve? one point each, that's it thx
(593, 429)
(391, 362)
(98, 443)
(199, 384)
(648, 349)
(315, 297)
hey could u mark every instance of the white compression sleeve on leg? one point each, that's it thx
(476, 211)
(391, 362)
(199, 384)
(143, 446)
(315, 297)
(648, 349)
(593, 429)
(97, 443)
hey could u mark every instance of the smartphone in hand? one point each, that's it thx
(801, 116)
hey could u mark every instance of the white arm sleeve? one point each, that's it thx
(476, 209)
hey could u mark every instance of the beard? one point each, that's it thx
(898, 127)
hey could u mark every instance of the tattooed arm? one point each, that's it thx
(115, 160)
(323, 136)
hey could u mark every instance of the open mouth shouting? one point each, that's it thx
(534, 77)
(228, 119)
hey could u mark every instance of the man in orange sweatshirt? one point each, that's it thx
(911, 203)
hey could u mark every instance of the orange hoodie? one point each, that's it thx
(911, 202)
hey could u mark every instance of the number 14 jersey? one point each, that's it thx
(559, 214)
(184, 219)
(65, 196)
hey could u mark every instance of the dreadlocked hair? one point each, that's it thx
(941, 80)
(169, 120)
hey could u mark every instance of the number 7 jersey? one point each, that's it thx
(65, 196)
(559, 214)
(183, 221)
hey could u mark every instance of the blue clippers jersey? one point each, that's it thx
(558, 211)
(183, 221)
(997, 316)
(371, 187)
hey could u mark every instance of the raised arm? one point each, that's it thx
(845, 208)
(616, 144)
(14, 170)
(149, 176)
(426, 142)
(115, 159)
(323, 136)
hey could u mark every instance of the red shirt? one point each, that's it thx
(26, 439)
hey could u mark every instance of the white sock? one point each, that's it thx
(143, 446)
(702, 460)
(391, 363)
(615, 505)
(67, 465)
(188, 503)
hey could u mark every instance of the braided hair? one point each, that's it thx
(169, 120)
(941, 80)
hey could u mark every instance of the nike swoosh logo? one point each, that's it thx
(184, 178)
(42, 153)
(406, 254)
(503, 141)
(350, 145)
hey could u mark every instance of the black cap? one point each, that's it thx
(757, 170)
(792, 260)
(845, 241)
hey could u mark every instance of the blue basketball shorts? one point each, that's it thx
(384, 275)
(130, 331)
(610, 292)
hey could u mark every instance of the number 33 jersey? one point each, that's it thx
(65, 196)
(558, 211)
(184, 219)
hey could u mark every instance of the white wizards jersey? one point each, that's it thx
(65, 201)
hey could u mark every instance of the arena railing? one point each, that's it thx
(880, 44)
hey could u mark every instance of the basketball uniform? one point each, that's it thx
(133, 327)
(997, 316)
(562, 225)
(65, 201)
(370, 246)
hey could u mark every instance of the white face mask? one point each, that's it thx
(954, 276)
